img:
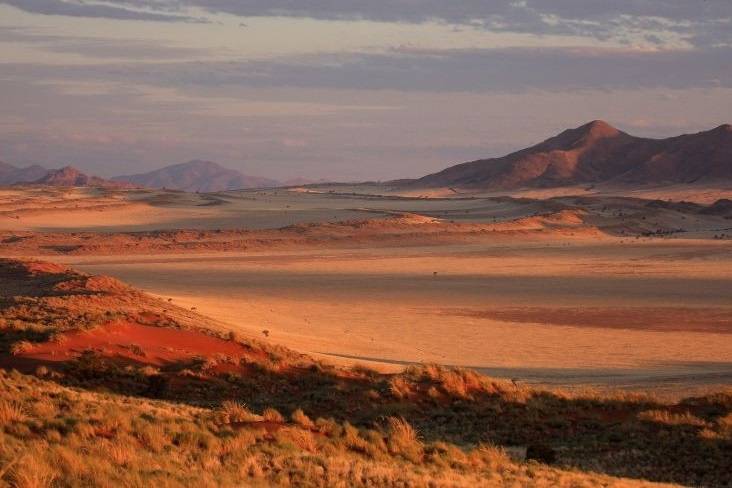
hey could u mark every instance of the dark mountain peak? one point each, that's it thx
(70, 176)
(66, 176)
(598, 128)
(67, 171)
(582, 136)
(595, 130)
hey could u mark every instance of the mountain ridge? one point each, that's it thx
(10, 175)
(197, 175)
(597, 152)
(70, 176)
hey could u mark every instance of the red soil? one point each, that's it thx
(131, 342)
(716, 320)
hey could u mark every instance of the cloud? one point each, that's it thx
(508, 70)
(697, 22)
(94, 10)
(620, 19)
(464, 11)
(97, 47)
(128, 49)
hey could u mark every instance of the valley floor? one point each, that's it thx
(637, 315)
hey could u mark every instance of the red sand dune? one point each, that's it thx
(136, 343)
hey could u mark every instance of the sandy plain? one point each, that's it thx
(589, 300)
(573, 314)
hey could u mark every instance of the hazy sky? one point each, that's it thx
(347, 89)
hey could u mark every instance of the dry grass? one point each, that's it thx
(231, 412)
(32, 471)
(399, 387)
(403, 440)
(725, 423)
(10, 412)
(20, 347)
(493, 456)
(670, 418)
(303, 439)
(299, 417)
(272, 415)
(108, 440)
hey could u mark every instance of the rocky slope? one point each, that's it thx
(70, 176)
(598, 153)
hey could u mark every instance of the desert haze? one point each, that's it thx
(365, 244)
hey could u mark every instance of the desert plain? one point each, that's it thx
(576, 287)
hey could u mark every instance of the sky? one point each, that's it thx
(345, 89)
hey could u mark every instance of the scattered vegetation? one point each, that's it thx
(223, 421)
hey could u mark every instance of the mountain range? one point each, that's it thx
(70, 176)
(597, 153)
(593, 153)
(10, 175)
(197, 175)
(38, 175)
